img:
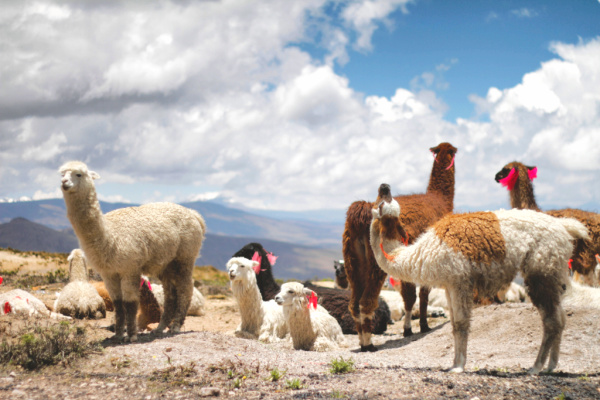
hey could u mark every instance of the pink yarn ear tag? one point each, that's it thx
(510, 180)
(451, 163)
(394, 282)
(1, 280)
(272, 258)
(7, 308)
(312, 301)
(256, 257)
(532, 173)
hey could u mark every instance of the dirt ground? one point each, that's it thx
(207, 360)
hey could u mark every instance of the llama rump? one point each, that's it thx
(419, 212)
(335, 301)
(518, 179)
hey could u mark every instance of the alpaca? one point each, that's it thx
(483, 251)
(196, 304)
(18, 301)
(341, 279)
(262, 320)
(365, 276)
(518, 179)
(79, 299)
(311, 328)
(159, 239)
(150, 310)
(582, 296)
(335, 301)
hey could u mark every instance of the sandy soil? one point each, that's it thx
(206, 360)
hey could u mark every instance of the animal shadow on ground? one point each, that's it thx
(142, 338)
(398, 343)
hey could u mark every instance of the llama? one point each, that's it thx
(150, 310)
(335, 301)
(18, 301)
(364, 275)
(483, 251)
(79, 299)
(262, 320)
(518, 179)
(341, 279)
(159, 239)
(311, 328)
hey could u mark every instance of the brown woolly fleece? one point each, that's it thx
(149, 311)
(486, 242)
(522, 197)
(101, 289)
(419, 211)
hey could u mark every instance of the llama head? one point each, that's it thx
(385, 205)
(293, 293)
(509, 174)
(241, 269)
(340, 274)
(76, 177)
(444, 153)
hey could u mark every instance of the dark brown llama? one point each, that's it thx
(518, 179)
(419, 211)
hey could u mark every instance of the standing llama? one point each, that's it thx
(518, 179)
(364, 275)
(159, 239)
(335, 301)
(482, 251)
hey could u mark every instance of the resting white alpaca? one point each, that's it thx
(158, 239)
(482, 251)
(310, 328)
(79, 299)
(262, 320)
(196, 304)
(582, 296)
(18, 301)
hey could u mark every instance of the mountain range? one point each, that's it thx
(306, 248)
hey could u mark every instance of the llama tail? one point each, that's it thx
(575, 228)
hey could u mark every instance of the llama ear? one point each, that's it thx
(94, 175)
(532, 172)
(435, 149)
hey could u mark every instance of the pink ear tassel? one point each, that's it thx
(510, 180)
(532, 173)
(256, 257)
(272, 258)
(451, 163)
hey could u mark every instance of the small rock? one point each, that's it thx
(18, 393)
(210, 392)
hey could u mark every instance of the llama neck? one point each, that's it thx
(300, 325)
(441, 181)
(78, 272)
(522, 196)
(250, 303)
(87, 220)
(398, 260)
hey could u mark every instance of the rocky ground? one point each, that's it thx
(206, 360)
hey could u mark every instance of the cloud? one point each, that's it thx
(524, 12)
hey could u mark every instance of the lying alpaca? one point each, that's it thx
(582, 296)
(262, 320)
(18, 301)
(335, 301)
(311, 328)
(483, 251)
(518, 179)
(79, 299)
(158, 239)
(365, 276)
(196, 304)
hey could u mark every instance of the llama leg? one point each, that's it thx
(409, 296)
(423, 303)
(130, 286)
(184, 290)
(368, 304)
(461, 321)
(113, 286)
(354, 307)
(561, 320)
(169, 306)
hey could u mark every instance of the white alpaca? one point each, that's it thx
(18, 301)
(262, 320)
(196, 304)
(310, 329)
(79, 299)
(436, 306)
(582, 296)
(158, 239)
(483, 251)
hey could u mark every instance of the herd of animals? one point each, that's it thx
(414, 240)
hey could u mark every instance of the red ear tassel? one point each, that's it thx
(7, 308)
(570, 263)
(312, 301)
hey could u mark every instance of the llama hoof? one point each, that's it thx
(456, 370)
(370, 348)
(425, 329)
(116, 339)
(157, 333)
(408, 332)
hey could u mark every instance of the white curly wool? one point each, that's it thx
(582, 296)
(262, 320)
(157, 239)
(196, 304)
(79, 299)
(18, 301)
(483, 251)
(310, 329)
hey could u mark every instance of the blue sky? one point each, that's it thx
(299, 105)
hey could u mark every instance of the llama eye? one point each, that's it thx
(79, 175)
(290, 291)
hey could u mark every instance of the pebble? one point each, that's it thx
(18, 393)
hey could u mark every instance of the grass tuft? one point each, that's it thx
(341, 366)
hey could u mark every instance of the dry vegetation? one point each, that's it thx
(48, 359)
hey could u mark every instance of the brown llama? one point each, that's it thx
(419, 212)
(518, 179)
